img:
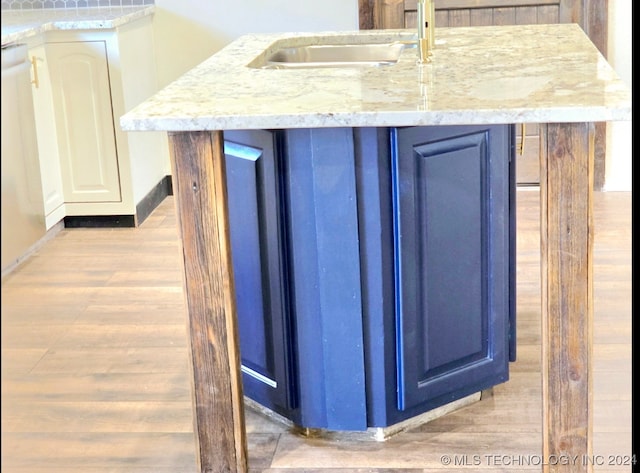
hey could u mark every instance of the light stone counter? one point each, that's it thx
(19, 25)
(479, 75)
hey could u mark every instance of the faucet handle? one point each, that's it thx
(425, 28)
(432, 25)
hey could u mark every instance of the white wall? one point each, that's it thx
(618, 161)
(186, 32)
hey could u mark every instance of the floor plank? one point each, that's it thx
(95, 368)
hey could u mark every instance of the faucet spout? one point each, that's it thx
(426, 27)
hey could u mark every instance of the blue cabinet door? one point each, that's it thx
(256, 230)
(452, 255)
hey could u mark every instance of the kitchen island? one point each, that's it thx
(548, 74)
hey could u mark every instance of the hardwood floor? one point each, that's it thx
(94, 366)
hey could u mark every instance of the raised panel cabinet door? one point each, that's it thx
(84, 120)
(52, 187)
(257, 245)
(452, 250)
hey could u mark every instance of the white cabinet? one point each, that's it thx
(84, 120)
(51, 177)
(87, 80)
(22, 210)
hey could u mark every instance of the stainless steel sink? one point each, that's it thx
(336, 55)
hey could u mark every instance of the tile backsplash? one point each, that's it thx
(38, 4)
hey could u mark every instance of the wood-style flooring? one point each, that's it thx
(95, 373)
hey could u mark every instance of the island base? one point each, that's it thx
(374, 434)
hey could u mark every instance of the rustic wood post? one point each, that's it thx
(566, 230)
(201, 203)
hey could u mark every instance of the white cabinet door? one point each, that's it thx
(51, 176)
(85, 125)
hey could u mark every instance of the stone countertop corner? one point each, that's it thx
(18, 25)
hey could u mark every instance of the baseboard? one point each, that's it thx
(49, 235)
(377, 434)
(155, 196)
(381, 434)
(144, 208)
(99, 221)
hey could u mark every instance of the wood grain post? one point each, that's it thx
(566, 230)
(201, 204)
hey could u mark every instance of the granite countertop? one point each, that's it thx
(18, 25)
(479, 75)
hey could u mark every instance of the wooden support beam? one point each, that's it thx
(566, 230)
(201, 204)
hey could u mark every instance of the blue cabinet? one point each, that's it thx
(438, 241)
(374, 268)
(258, 247)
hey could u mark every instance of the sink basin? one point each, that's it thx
(335, 55)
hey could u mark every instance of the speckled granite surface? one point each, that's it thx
(21, 24)
(493, 74)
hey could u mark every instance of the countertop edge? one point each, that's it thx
(19, 25)
(473, 79)
(388, 119)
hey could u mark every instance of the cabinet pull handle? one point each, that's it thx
(34, 64)
(522, 132)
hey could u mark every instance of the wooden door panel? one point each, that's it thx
(471, 4)
(487, 12)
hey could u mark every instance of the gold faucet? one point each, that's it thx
(426, 30)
